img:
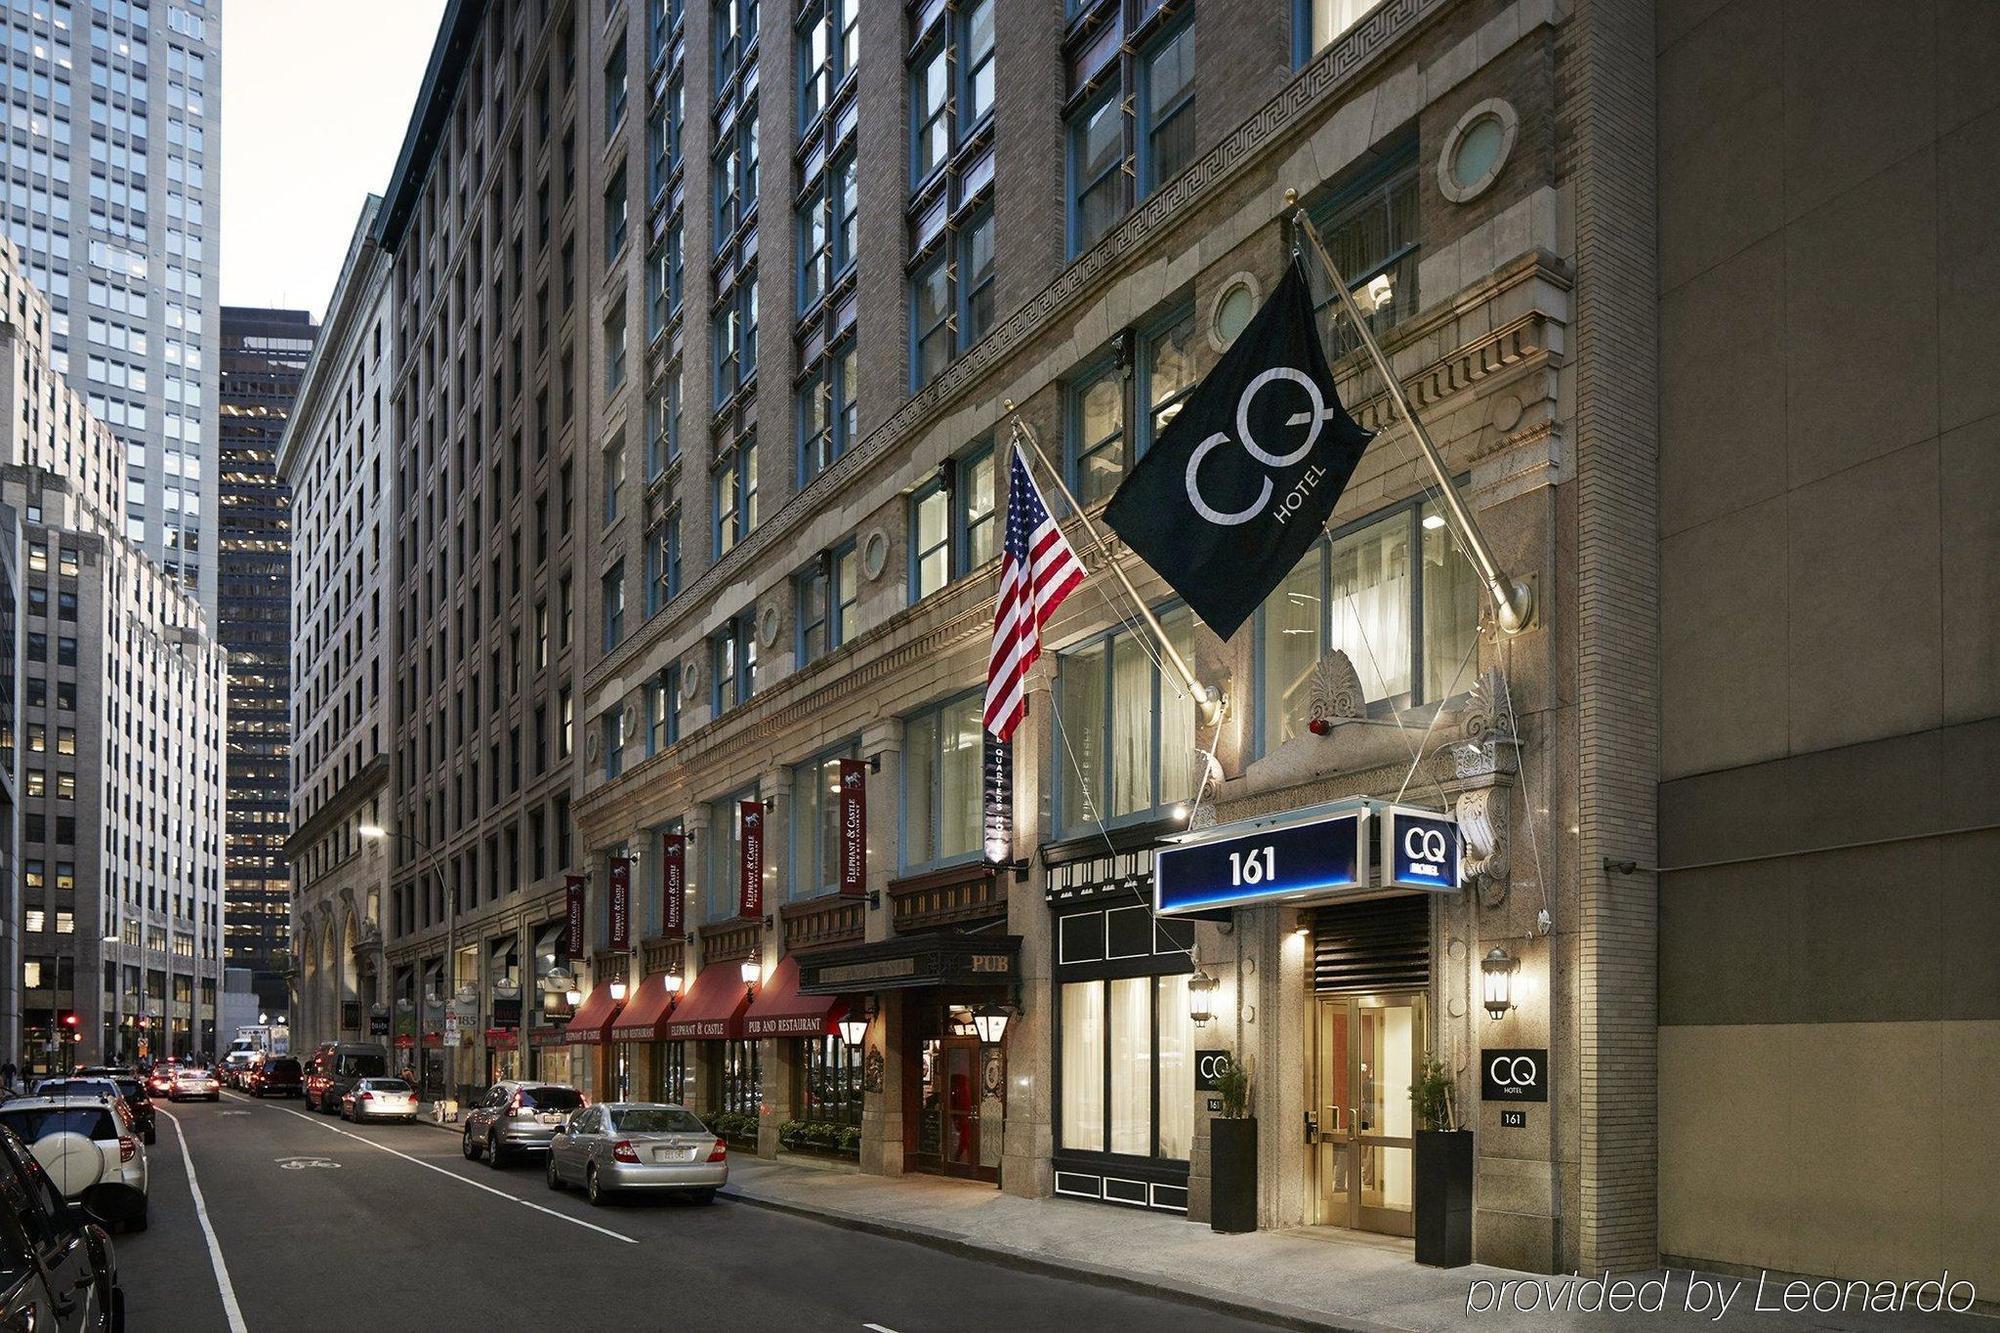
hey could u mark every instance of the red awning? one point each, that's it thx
(713, 1007)
(780, 1011)
(645, 1012)
(591, 1023)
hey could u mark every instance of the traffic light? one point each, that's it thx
(73, 1021)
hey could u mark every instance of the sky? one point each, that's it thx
(316, 95)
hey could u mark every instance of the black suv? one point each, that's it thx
(56, 1268)
(133, 1089)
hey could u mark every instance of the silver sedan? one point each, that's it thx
(638, 1146)
(379, 1099)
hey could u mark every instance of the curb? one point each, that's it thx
(1279, 1316)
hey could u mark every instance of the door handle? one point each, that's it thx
(1312, 1127)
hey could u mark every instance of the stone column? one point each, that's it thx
(882, 1127)
(775, 1054)
(1026, 1168)
(883, 740)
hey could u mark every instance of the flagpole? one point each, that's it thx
(1208, 701)
(1513, 600)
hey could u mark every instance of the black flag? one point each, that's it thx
(1241, 482)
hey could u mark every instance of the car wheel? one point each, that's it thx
(594, 1191)
(470, 1149)
(494, 1151)
(555, 1176)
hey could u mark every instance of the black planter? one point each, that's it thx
(1444, 1198)
(1232, 1174)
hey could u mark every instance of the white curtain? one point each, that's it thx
(1369, 614)
(1176, 1062)
(1131, 727)
(1083, 1065)
(1132, 1065)
(1178, 773)
(961, 796)
(1330, 18)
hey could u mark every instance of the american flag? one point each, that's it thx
(1037, 570)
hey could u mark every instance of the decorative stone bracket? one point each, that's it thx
(1485, 764)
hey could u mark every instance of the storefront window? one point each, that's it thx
(1407, 625)
(670, 1073)
(829, 1081)
(725, 854)
(742, 1078)
(1125, 1069)
(942, 792)
(1127, 731)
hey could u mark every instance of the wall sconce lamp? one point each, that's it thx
(753, 972)
(1201, 997)
(1498, 967)
(575, 998)
(854, 1025)
(618, 992)
(990, 1022)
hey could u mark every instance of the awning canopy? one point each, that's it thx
(780, 1011)
(953, 961)
(591, 1024)
(712, 1009)
(645, 1012)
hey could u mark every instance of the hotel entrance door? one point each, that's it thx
(1366, 1051)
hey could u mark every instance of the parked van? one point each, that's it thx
(337, 1066)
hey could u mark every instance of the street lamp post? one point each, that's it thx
(375, 832)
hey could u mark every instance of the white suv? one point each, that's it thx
(90, 1149)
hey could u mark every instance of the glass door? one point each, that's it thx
(1366, 1050)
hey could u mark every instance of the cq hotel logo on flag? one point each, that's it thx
(1312, 419)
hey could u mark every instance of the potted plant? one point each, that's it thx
(1232, 1155)
(1443, 1202)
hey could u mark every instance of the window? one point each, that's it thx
(975, 280)
(1371, 231)
(1097, 432)
(1127, 741)
(615, 89)
(1317, 22)
(1126, 1040)
(953, 523)
(943, 791)
(735, 496)
(566, 732)
(828, 416)
(663, 423)
(829, 1087)
(1161, 357)
(827, 593)
(663, 280)
(733, 662)
(951, 298)
(1166, 109)
(614, 606)
(613, 725)
(742, 1076)
(736, 339)
(614, 478)
(1409, 626)
(1113, 160)
(663, 561)
(735, 26)
(827, 229)
(615, 215)
(951, 87)
(735, 173)
(930, 310)
(1166, 375)
(614, 348)
(816, 823)
(829, 39)
(663, 710)
(723, 860)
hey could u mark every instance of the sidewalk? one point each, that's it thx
(1309, 1277)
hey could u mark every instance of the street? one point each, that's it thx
(318, 1224)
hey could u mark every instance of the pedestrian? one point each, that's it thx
(7, 1072)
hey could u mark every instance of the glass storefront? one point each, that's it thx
(670, 1072)
(829, 1084)
(742, 1078)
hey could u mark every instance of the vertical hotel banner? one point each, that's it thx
(853, 827)
(750, 886)
(573, 916)
(673, 884)
(619, 872)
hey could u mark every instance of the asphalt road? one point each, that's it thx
(322, 1225)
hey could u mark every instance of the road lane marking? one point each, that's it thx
(228, 1290)
(879, 1328)
(432, 1166)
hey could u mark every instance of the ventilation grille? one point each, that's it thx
(1362, 948)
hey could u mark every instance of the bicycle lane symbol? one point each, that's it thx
(306, 1164)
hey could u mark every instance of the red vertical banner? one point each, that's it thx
(573, 916)
(673, 884)
(853, 827)
(620, 876)
(750, 886)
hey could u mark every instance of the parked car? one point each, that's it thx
(90, 1151)
(194, 1081)
(77, 1085)
(133, 1091)
(649, 1146)
(518, 1117)
(56, 1266)
(380, 1099)
(339, 1066)
(275, 1076)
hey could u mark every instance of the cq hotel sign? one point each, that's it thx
(1419, 851)
(1514, 1075)
(1321, 854)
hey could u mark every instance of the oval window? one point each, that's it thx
(1478, 151)
(1233, 311)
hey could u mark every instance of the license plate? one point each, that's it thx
(550, 1118)
(673, 1154)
